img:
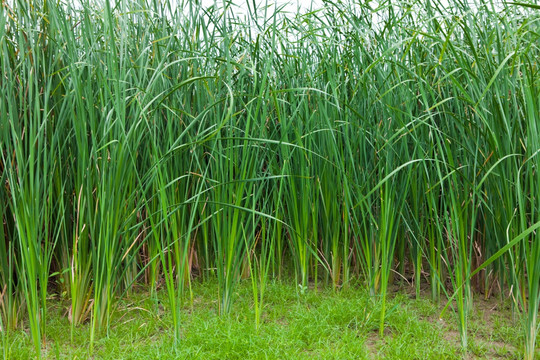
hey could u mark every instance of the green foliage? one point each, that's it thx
(149, 144)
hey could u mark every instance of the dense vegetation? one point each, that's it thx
(154, 144)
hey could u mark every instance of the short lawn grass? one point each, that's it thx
(321, 324)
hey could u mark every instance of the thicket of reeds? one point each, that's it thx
(155, 144)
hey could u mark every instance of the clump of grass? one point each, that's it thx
(147, 144)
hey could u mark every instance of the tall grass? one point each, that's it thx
(144, 143)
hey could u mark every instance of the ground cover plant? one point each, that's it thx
(153, 146)
(321, 324)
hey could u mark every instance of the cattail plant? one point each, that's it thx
(150, 144)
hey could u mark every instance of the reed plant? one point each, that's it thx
(149, 144)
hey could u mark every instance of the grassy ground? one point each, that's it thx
(321, 324)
